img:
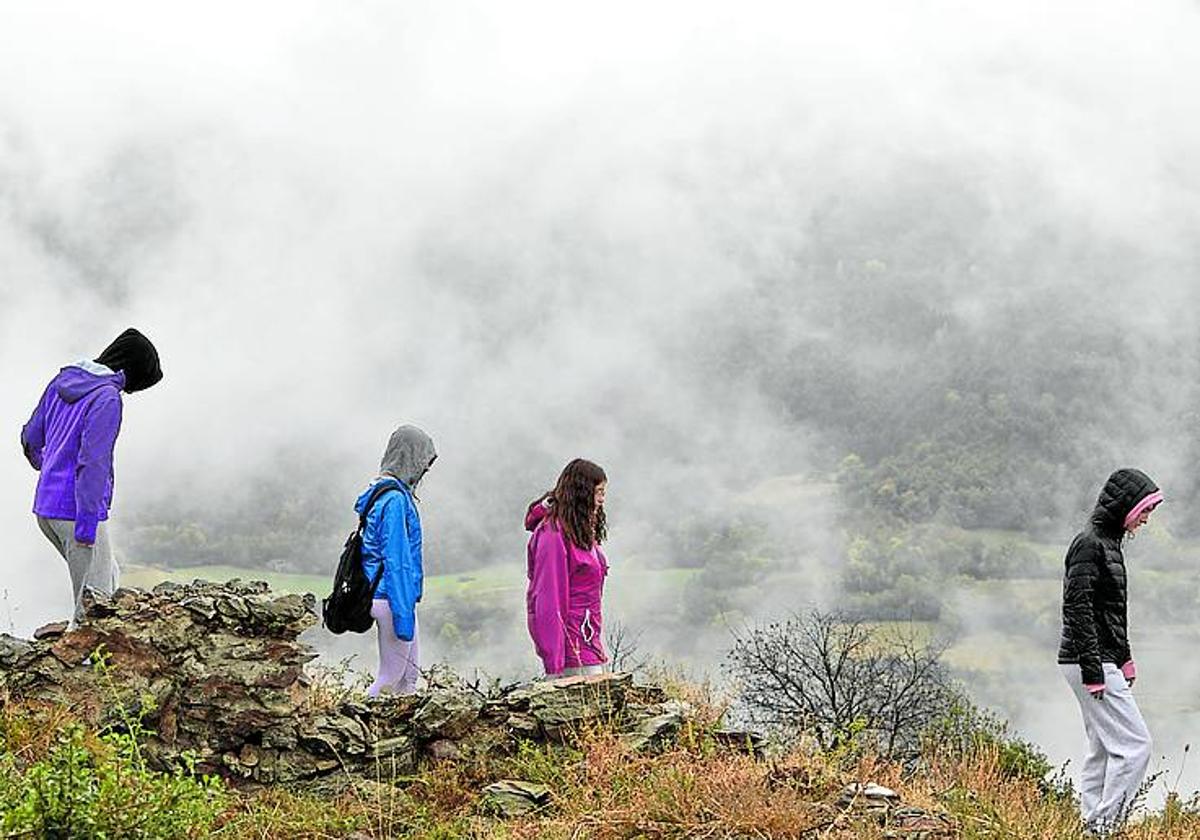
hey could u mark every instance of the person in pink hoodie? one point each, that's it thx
(566, 570)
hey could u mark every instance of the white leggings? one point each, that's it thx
(398, 659)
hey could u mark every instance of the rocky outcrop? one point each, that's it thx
(217, 670)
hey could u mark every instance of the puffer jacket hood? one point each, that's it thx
(408, 456)
(1095, 611)
(1123, 491)
(76, 381)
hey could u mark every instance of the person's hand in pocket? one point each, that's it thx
(1129, 669)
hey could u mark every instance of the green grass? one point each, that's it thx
(145, 577)
(500, 579)
(1032, 602)
(634, 589)
(490, 581)
(480, 581)
(1050, 552)
(992, 652)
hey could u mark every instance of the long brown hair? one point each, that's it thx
(573, 503)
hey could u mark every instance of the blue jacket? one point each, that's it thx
(393, 537)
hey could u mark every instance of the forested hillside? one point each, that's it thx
(938, 372)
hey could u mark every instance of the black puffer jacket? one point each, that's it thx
(1095, 621)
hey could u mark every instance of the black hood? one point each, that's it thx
(1124, 489)
(133, 353)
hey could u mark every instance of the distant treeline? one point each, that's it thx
(948, 378)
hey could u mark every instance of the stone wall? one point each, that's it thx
(218, 670)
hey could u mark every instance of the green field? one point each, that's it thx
(637, 588)
(996, 625)
(482, 582)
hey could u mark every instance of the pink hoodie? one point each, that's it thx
(566, 585)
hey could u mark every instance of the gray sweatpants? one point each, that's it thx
(1118, 749)
(91, 566)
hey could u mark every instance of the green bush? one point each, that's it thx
(719, 591)
(90, 788)
(966, 730)
(461, 623)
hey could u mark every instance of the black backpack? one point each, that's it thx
(349, 605)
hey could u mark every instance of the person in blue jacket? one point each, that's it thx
(393, 538)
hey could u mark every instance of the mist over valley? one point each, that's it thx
(857, 307)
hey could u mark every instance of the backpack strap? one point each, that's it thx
(375, 582)
(380, 488)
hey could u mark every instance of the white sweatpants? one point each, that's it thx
(1118, 749)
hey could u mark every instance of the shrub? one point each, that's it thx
(77, 785)
(964, 731)
(89, 788)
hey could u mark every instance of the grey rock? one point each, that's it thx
(447, 713)
(393, 757)
(12, 649)
(442, 676)
(386, 747)
(869, 796)
(658, 725)
(522, 725)
(444, 750)
(744, 740)
(514, 798)
(563, 707)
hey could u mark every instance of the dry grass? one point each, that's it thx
(613, 793)
(29, 730)
(604, 791)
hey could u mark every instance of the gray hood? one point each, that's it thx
(408, 455)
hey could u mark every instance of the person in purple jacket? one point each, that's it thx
(566, 570)
(69, 440)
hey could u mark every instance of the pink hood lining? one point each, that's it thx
(1147, 503)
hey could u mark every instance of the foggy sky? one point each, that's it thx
(507, 224)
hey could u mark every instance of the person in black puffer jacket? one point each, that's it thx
(1094, 654)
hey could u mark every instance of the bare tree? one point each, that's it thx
(834, 676)
(624, 647)
(914, 688)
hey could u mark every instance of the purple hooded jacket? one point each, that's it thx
(70, 440)
(562, 602)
